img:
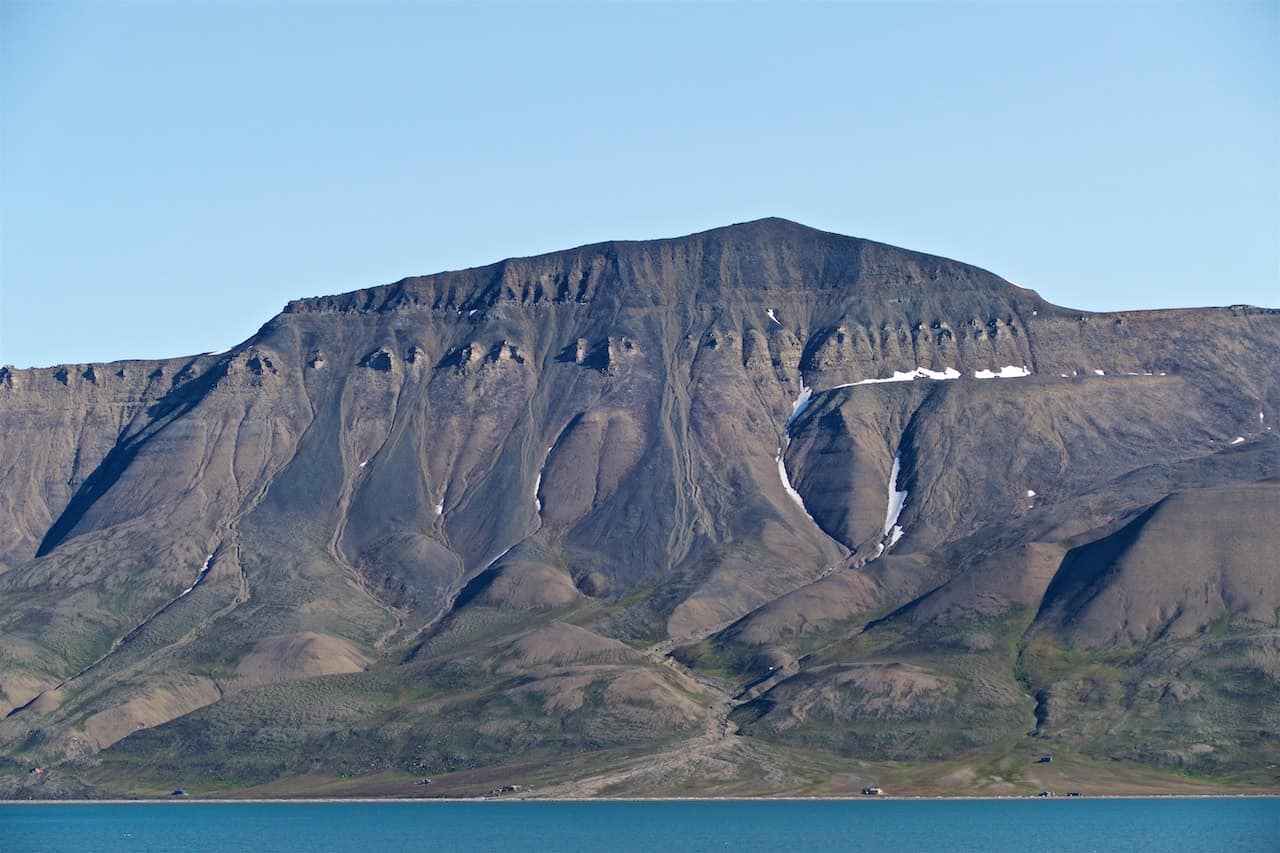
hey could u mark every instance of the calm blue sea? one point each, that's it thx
(1122, 825)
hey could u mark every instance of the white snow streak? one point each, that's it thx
(786, 484)
(801, 403)
(1099, 373)
(204, 570)
(1239, 439)
(906, 376)
(499, 557)
(898, 376)
(219, 351)
(537, 486)
(797, 409)
(440, 508)
(897, 499)
(897, 534)
(1009, 372)
(773, 316)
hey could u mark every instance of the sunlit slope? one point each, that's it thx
(867, 496)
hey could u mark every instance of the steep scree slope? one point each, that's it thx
(835, 477)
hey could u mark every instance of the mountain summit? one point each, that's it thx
(767, 257)
(763, 509)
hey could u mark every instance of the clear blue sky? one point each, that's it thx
(172, 174)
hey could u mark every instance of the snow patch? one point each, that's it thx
(797, 408)
(204, 570)
(440, 508)
(1099, 373)
(537, 486)
(472, 312)
(1009, 372)
(919, 372)
(897, 499)
(1031, 493)
(1239, 439)
(895, 536)
(801, 403)
(773, 316)
(219, 351)
(499, 557)
(786, 484)
(906, 376)
(898, 376)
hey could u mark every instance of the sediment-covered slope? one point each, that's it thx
(712, 439)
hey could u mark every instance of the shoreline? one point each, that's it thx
(455, 800)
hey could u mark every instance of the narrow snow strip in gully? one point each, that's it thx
(489, 564)
(204, 570)
(801, 403)
(786, 483)
(897, 499)
(537, 485)
(797, 408)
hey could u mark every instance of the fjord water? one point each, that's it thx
(1243, 824)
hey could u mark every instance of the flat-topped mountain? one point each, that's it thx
(756, 510)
